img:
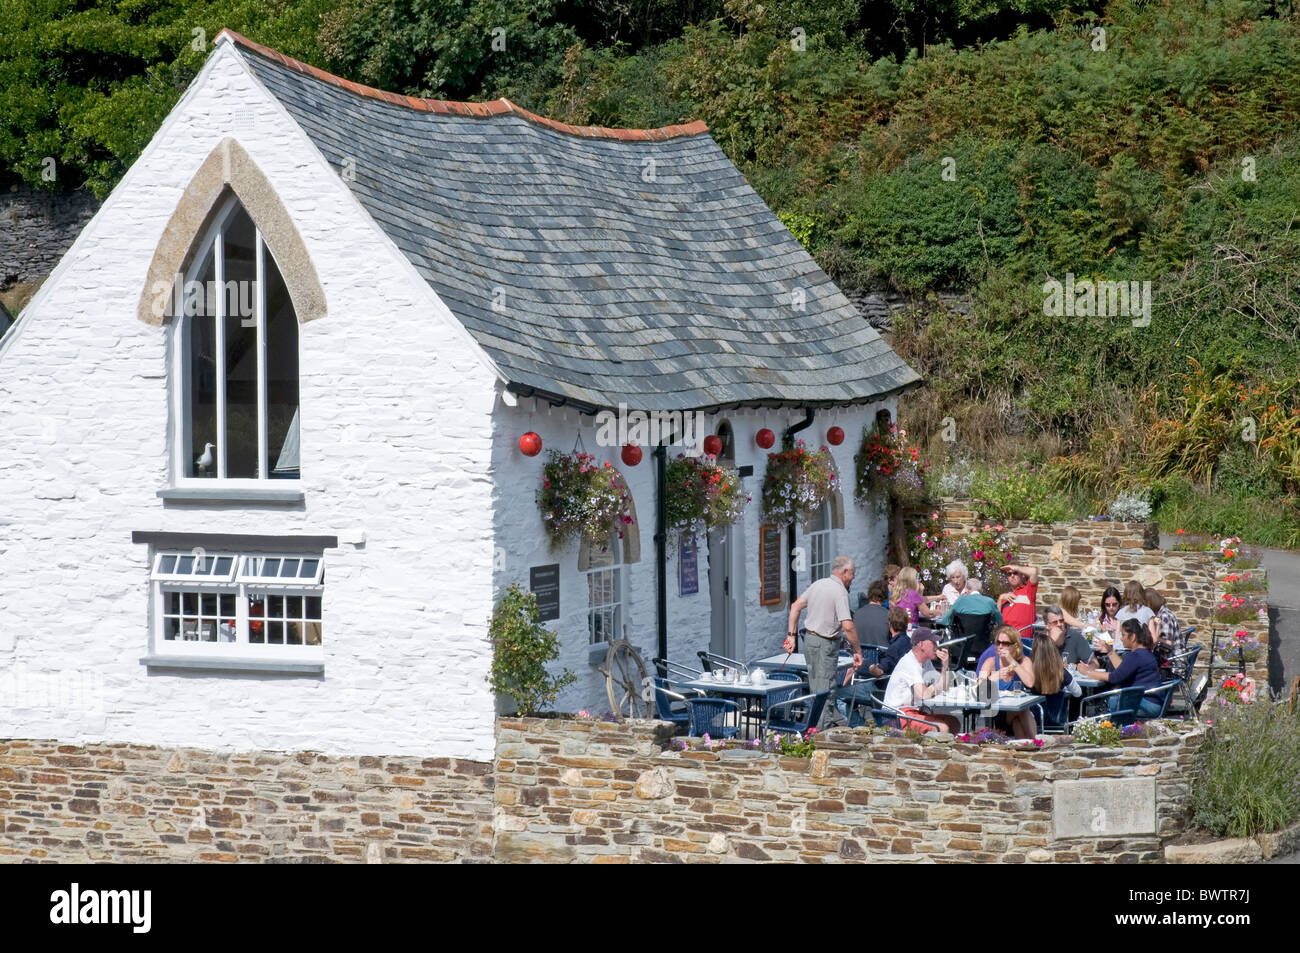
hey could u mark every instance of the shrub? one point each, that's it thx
(983, 552)
(521, 647)
(1247, 773)
(956, 479)
(1024, 491)
(1130, 508)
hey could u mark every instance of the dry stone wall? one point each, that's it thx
(579, 791)
(130, 803)
(583, 791)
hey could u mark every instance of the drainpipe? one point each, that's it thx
(661, 551)
(787, 442)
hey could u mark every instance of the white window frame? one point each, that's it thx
(821, 543)
(612, 608)
(243, 582)
(183, 450)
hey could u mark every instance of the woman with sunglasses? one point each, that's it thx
(1050, 678)
(1013, 670)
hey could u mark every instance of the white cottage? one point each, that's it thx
(260, 447)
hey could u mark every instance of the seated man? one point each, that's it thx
(899, 645)
(1074, 647)
(855, 696)
(872, 620)
(916, 679)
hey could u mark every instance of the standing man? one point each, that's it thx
(827, 602)
(1020, 605)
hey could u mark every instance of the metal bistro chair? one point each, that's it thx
(708, 716)
(676, 671)
(711, 659)
(1126, 708)
(665, 701)
(887, 716)
(785, 716)
(1185, 683)
(860, 693)
(1161, 693)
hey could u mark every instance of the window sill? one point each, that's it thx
(203, 494)
(241, 664)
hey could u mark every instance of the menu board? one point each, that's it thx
(544, 581)
(688, 565)
(769, 564)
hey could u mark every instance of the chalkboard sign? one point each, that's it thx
(544, 581)
(769, 564)
(688, 566)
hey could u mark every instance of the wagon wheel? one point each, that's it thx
(625, 681)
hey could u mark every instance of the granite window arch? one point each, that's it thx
(235, 358)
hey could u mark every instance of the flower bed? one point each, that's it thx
(580, 499)
(700, 495)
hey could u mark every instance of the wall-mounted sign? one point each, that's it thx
(544, 582)
(688, 565)
(769, 564)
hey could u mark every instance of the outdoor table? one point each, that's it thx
(971, 706)
(739, 690)
(795, 663)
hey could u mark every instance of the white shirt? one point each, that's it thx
(1143, 615)
(951, 594)
(907, 674)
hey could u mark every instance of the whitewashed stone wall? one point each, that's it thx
(396, 441)
(523, 543)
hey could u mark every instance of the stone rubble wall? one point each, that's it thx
(576, 791)
(579, 791)
(130, 803)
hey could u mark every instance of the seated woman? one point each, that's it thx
(1169, 635)
(1070, 609)
(1013, 669)
(955, 588)
(1135, 606)
(906, 593)
(1138, 670)
(1050, 678)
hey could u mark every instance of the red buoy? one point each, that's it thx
(631, 454)
(765, 438)
(835, 436)
(530, 445)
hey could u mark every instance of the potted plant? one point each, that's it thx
(699, 494)
(798, 481)
(580, 498)
(521, 647)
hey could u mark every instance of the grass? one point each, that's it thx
(1247, 776)
(1274, 523)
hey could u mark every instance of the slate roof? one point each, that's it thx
(595, 265)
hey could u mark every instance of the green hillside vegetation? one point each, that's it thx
(1169, 154)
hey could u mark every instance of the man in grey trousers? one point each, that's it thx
(827, 602)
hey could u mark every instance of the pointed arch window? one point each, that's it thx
(236, 360)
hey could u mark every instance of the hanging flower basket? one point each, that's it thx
(582, 499)
(797, 483)
(888, 469)
(699, 494)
